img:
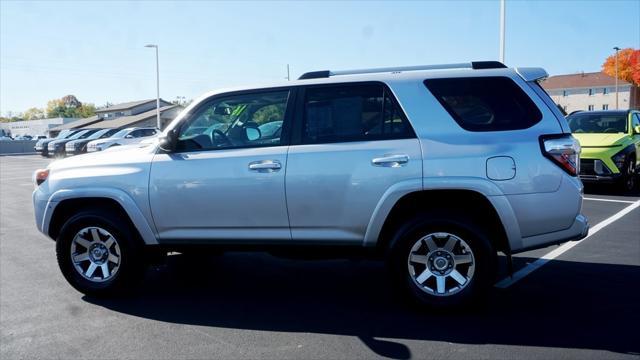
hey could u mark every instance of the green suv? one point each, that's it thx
(610, 143)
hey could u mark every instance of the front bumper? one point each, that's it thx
(598, 170)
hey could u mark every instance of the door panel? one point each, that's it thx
(351, 144)
(214, 195)
(333, 189)
(225, 181)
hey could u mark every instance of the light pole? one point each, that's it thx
(159, 123)
(616, 49)
(288, 78)
(502, 30)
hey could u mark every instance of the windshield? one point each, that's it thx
(98, 134)
(78, 135)
(598, 123)
(64, 134)
(120, 134)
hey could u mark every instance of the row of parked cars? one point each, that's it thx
(79, 141)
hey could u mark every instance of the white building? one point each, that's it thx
(591, 91)
(34, 127)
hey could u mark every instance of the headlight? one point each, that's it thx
(619, 159)
(40, 176)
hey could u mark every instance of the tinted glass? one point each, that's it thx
(636, 120)
(120, 134)
(247, 120)
(352, 113)
(485, 103)
(78, 135)
(597, 123)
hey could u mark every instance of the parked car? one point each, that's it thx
(5, 138)
(126, 136)
(610, 143)
(41, 146)
(24, 137)
(57, 147)
(79, 146)
(434, 169)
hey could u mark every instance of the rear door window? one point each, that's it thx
(485, 103)
(352, 112)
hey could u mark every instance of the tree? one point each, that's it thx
(628, 65)
(69, 106)
(34, 113)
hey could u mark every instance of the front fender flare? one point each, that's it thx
(146, 231)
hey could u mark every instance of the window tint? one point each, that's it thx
(597, 123)
(636, 120)
(352, 113)
(485, 103)
(248, 120)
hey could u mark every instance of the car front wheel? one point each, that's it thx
(628, 180)
(98, 254)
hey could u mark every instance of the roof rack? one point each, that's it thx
(476, 65)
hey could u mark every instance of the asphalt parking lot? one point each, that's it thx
(581, 302)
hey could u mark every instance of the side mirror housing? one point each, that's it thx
(636, 129)
(167, 142)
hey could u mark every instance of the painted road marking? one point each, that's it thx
(610, 200)
(520, 274)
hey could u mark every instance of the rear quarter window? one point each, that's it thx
(485, 103)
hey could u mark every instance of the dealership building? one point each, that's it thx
(591, 91)
(40, 127)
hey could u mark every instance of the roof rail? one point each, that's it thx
(471, 65)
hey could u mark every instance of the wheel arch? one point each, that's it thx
(489, 210)
(64, 203)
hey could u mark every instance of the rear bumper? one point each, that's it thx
(577, 231)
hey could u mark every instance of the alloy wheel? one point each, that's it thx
(95, 254)
(441, 264)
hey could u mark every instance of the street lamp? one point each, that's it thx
(502, 29)
(616, 49)
(159, 124)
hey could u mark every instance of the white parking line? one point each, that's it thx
(610, 200)
(518, 275)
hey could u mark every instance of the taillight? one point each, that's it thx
(564, 150)
(40, 176)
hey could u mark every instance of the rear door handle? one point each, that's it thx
(391, 160)
(265, 166)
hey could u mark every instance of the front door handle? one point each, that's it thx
(265, 166)
(391, 160)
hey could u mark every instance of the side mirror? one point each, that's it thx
(636, 129)
(167, 142)
(128, 137)
(252, 133)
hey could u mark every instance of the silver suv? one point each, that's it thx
(435, 169)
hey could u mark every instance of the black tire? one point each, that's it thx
(628, 180)
(131, 260)
(459, 225)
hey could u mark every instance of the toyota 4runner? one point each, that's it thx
(435, 169)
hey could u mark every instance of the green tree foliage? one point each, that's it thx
(34, 114)
(69, 106)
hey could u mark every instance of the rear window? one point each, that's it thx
(485, 103)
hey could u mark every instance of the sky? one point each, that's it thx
(95, 50)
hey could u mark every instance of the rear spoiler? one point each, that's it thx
(532, 74)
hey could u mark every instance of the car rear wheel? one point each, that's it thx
(98, 254)
(442, 262)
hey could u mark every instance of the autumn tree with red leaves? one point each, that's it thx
(628, 65)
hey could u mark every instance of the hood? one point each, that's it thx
(44, 141)
(599, 140)
(101, 159)
(56, 142)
